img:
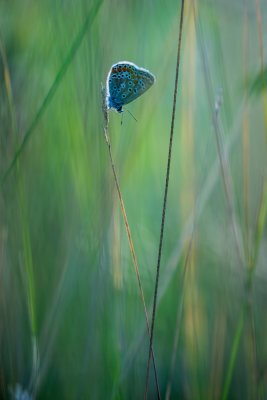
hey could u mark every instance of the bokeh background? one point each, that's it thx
(72, 323)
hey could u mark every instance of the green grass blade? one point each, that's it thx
(53, 88)
(233, 355)
(261, 221)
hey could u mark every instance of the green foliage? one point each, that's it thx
(72, 323)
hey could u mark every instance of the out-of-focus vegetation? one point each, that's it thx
(72, 324)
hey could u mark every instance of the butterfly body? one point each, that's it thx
(125, 82)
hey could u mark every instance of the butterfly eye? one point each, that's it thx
(130, 83)
(130, 89)
(123, 95)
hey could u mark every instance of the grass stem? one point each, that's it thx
(165, 196)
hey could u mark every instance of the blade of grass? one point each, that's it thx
(127, 227)
(165, 195)
(229, 195)
(53, 88)
(234, 351)
(8, 88)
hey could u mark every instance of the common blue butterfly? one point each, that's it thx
(125, 82)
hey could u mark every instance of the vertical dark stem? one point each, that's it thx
(165, 196)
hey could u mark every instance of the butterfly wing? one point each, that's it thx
(115, 84)
(139, 82)
(126, 82)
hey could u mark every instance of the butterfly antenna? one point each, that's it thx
(131, 114)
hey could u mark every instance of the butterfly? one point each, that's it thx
(125, 82)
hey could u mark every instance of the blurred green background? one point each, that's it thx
(72, 324)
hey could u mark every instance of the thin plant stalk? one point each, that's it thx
(225, 173)
(128, 231)
(165, 197)
(228, 190)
